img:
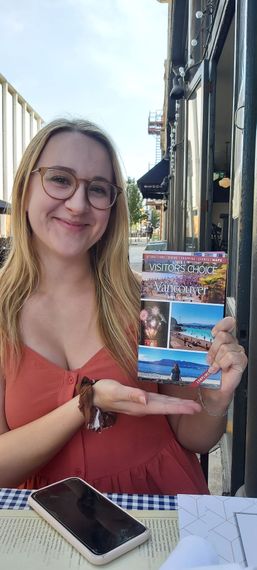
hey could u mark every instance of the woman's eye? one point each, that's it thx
(60, 180)
(98, 189)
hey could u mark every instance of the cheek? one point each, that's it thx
(37, 209)
(104, 220)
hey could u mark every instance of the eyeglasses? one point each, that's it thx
(61, 184)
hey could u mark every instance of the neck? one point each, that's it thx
(64, 275)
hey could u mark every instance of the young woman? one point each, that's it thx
(69, 309)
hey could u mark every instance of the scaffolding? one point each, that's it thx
(155, 125)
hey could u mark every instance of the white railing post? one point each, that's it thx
(19, 124)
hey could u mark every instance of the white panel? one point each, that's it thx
(9, 125)
(19, 132)
(1, 146)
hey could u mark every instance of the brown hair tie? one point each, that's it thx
(95, 418)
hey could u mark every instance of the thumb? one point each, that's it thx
(227, 325)
(137, 396)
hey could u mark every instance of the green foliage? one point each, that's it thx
(155, 218)
(135, 201)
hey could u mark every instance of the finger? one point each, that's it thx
(226, 324)
(233, 361)
(172, 406)
(161, 404)
(137, 395)
(222, 339)
(129, 394)
(221, 350)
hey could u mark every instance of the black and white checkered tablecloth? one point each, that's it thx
(17, 499)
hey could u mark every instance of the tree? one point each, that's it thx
(155, 218)
(135, 201)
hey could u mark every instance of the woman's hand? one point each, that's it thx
(111, 396)
(228, 356)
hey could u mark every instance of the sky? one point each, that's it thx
(153, 355)
(201, 313)
(98, 59)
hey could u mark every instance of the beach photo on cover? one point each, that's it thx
(157, 364)
(154, 323)
(191, 325)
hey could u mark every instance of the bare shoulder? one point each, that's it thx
(3, 423)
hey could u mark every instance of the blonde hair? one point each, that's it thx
(117, 288)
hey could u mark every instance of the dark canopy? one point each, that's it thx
(153, 184)
(4, 207)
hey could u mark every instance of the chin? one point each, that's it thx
(71, 254)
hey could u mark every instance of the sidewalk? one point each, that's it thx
(136, 254)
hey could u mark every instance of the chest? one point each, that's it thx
(64, 331)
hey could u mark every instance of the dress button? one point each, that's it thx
(71, 380)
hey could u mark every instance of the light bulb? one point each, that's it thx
(224, 182)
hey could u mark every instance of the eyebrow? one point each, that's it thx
(72, 171)
(61, 167)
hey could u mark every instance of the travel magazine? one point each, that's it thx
(182, 298)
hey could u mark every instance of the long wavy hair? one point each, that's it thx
(117, 287)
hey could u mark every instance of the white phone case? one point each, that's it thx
(82, 549)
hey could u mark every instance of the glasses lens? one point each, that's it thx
(101, 194)
(58, 183)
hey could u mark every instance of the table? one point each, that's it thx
(17, 499)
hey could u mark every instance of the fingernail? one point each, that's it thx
(213, 332)
(142, 400)
(213, 368)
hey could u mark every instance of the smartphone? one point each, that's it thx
(99, 529)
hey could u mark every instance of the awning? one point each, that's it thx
(5, 207)
(153, 183)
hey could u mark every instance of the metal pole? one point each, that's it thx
(14, 131)
(245, 448)
(251, 118)
(4, 138)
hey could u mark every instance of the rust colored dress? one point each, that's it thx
(136, 455)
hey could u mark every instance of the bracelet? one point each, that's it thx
(209, 412)
(95, 418)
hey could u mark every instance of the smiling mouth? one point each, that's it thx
(71, 224)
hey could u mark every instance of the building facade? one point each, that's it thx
(211, 112)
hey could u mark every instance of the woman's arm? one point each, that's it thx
(200, 432)
(25, 450)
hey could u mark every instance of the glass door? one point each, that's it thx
(196, 160)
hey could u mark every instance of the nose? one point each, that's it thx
(78, 202)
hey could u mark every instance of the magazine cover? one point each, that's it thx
(182, 298)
